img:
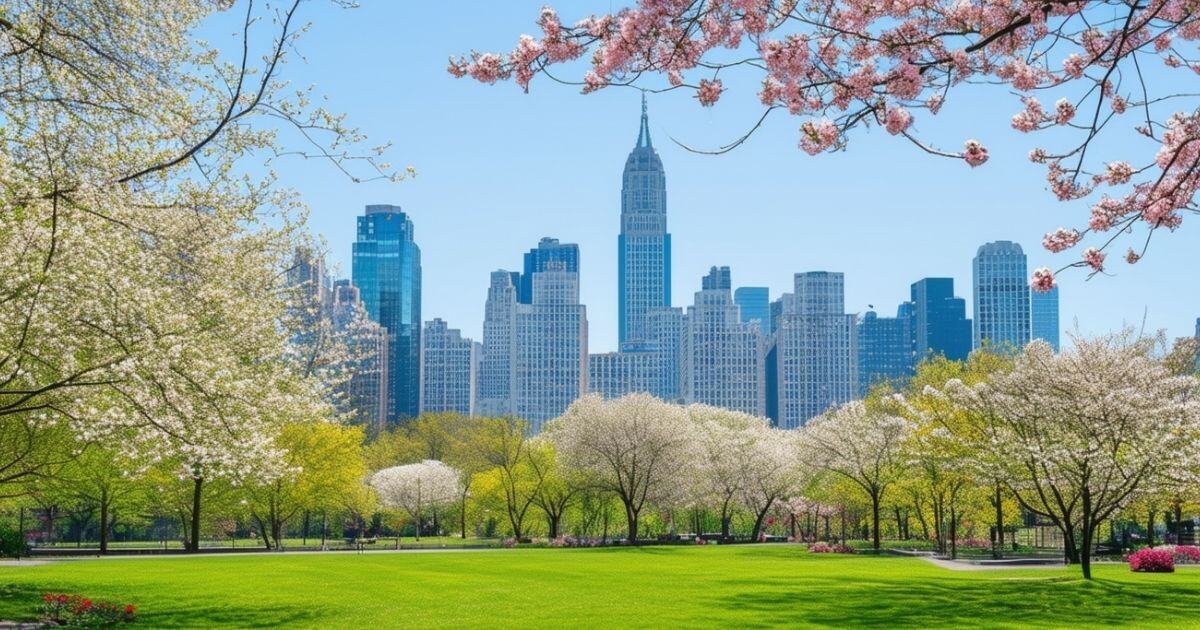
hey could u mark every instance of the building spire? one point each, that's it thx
(644, 131)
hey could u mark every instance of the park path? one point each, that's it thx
(960, 565)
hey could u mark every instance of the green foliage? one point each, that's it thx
(11, 543)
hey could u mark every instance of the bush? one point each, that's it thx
(1152, 561)
(822, 547)
(1182, 554)
(974, 543)
(11, 544)
(61, 609)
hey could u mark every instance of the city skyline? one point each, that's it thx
(549, 163)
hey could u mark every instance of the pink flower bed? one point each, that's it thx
(1182, 554)
(822, 547)
(1152, 561)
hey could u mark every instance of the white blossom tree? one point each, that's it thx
(1079, 434)
(861, 445)
(725, 448)
(771, 472)
(416, 489)
(637, 447)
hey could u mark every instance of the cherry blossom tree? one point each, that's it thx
(637, 447)
(771, 474)
(1080, 434)
(1112, 69)
(861, 445)
(416, 489)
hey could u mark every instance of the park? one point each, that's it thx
(709, 586)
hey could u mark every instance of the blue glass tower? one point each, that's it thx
(939, 320)
(387, 270)
(885, 348)
(548, 250)
(755, 303)
(1001, 296)
(1043, 308)
(644, 247)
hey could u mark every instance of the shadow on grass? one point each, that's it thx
(1051, 601)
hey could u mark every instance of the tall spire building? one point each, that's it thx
(644, 247)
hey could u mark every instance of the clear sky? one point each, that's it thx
(498, 169)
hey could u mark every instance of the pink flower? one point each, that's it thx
(1029, 118)
(1152, 561)
(1105, 213)
(709, 92)
(1064, 111)
(1042, 280)
(975, 153)
(1094, 258)
(1131, 256)
(898, 119)
(1118, 173)
(1074, 65)
(1061, 239)
(818, 136)
(1037, 156)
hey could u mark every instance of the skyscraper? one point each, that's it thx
(1043, 309)
(551, 347)
(497, 365)
(939, 320)
(885, 348)
(722, 357)
(814, 351)
(1001, 291)
(615, 374)
(448, 369)
(548, 250)
(755, 303)
(387, 271)
(364, 395)
(644, 247)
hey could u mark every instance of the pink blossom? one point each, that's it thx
(1105, 214)
(1029, 118)
(1042, 280)
(1118, 173)
(1094, 258)
(975, 153)
(1061, 239)
(816, 137)
(1064, 111)
(1074, 65)
(898, 119)
(709, 92)
(1037, 156)
(1131, 256)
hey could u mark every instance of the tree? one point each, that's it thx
(323, 466)
(140, 262)
(636, 447)
(104, 480)
(861, 445)
(503, 445)
(1077, 435)
(557, 486)
(846, 64)
(416, 488)
(771, 474)
(726, 448)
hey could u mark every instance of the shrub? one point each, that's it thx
(974, 543)
(1182, 554)
(75, 610)
(1152, 561)
(11, 544)
(823, 547)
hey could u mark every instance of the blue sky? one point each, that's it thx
(498, 169)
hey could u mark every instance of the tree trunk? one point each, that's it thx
(194, 543)
(899, 523)
(632, 518)
(758, 521)
(104, 501)
(953, 534)
(998, 548)
(875, 519)
(553, 523)
(462, 516)
(1150, 527)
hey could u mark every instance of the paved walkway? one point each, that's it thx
(962, 565)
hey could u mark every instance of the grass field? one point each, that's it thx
(747, 585)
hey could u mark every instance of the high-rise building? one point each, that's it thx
(939, 320)
(551, 347)
(644, 246)
(885, 348)
(497, 365)
(755, 303)
(364, 395)
(667, 327)
(814, 351)
(387, 271)
(1001, 291)
(615, 374)
(722, 360)
(448, 369)
(548, 251)
(1043, 309)
(778, 307)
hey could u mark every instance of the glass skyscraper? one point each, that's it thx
(387, 271)
(1043, 308)
(755, 303)
(364, 395)
(551, 360)
(1001, 292)
(885, 348)
(644, 247)
(548, 251)
(939, 320)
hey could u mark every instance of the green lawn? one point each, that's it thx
(747, 585)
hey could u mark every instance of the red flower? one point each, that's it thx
(128, 609)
